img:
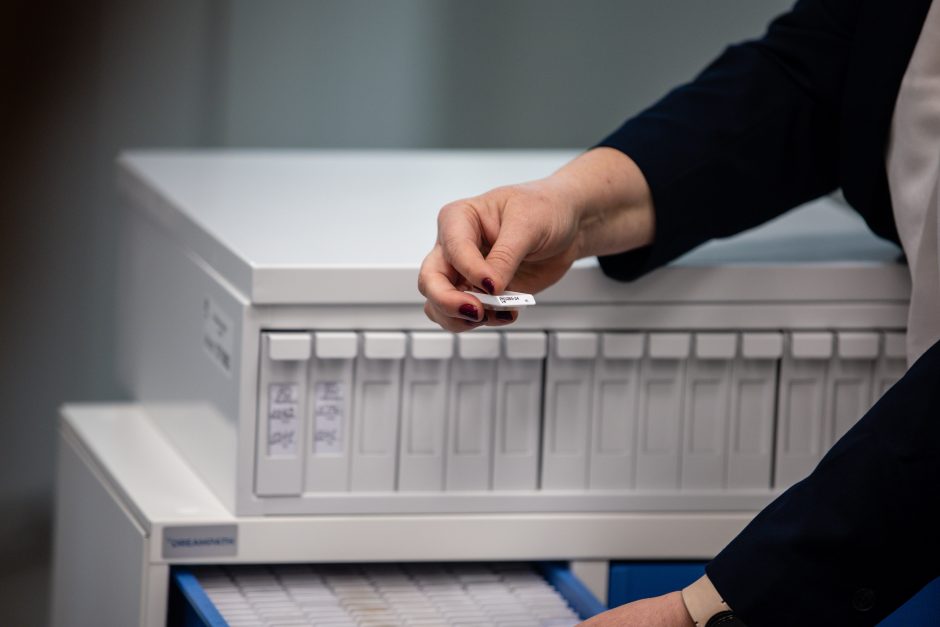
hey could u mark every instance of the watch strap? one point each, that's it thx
(725, 619)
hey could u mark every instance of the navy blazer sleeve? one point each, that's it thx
(752, 136)
(858, 537)
(756, 133)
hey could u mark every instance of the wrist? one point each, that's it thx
(681, 614)
(610, 200)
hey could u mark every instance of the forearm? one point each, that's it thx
(667, 610)
(611, 201)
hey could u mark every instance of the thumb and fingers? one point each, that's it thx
(513, 244)
(457, 263)
(447, 303)
(462, 235)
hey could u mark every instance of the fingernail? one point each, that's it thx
(476, 323)
(469, 311)
(489, 286)
(504, 315)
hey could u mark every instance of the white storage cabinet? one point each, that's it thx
(272, 329)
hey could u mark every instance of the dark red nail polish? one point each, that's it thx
(489, 286)
(473, 324)
(504, 315)
(469, 311)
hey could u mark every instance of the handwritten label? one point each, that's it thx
(329, 417)
(283, 418)
(218, 335)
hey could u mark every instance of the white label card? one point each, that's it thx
(283, 418)
(329, 417)
(506, 300)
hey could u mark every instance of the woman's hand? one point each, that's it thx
(663, 611)
(525, 237)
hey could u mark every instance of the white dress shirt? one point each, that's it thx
(913, 159)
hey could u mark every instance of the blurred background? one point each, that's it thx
(79, 81)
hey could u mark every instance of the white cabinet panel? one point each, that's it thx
(751, 430)
(424, 412)
(518, 422)
(662, 383)
(470, 412)
(375, 407)
(706, 409)
(282, 387)
(330, 413)
(615, 408)
(568, 400)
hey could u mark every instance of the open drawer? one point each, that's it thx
(516, 594)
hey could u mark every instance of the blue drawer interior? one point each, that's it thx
(191, 604)
(631, 581)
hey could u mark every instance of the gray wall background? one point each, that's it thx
(81, 81)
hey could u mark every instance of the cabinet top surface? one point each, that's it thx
(261, 216)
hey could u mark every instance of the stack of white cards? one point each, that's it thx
(420, 595)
